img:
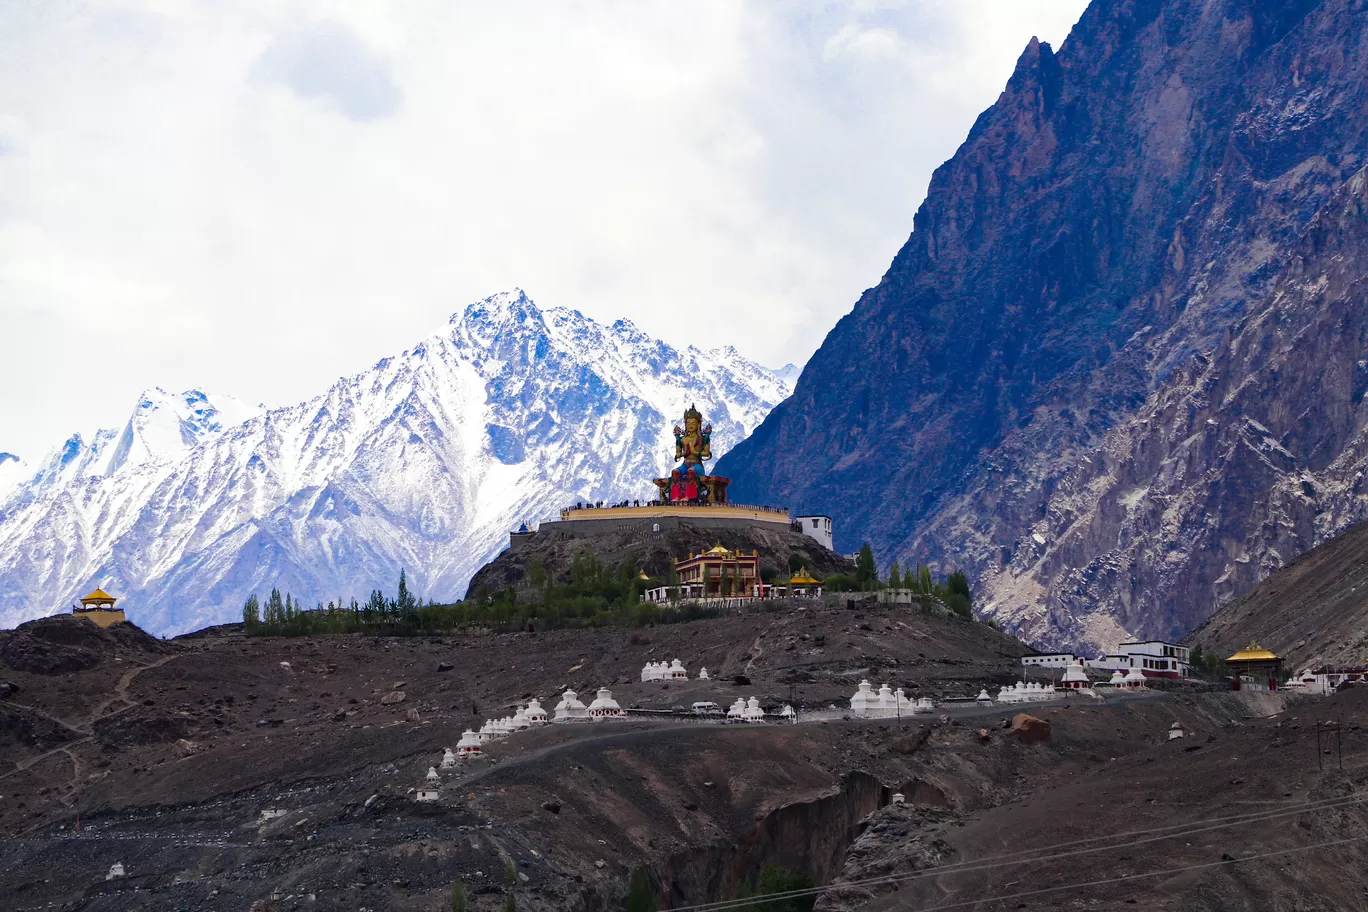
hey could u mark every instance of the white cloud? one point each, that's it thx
(256, 197)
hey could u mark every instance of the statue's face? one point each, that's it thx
(691, 424)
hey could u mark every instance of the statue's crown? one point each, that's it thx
(693, 412)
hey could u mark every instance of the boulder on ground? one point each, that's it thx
(1030, 729)
(394, 696)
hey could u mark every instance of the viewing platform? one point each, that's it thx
(687, 511)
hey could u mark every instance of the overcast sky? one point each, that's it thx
(256, 198)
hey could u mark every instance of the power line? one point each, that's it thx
(1029, 855)
(1167, 871)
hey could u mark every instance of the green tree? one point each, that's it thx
(894, 575)
(707, 580)
(510, 904)
(405, 604)
(251, 614)
(866, 571)
(640, 896)
(458, 897)
(774, 879)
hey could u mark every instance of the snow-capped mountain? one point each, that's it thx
(424, 462)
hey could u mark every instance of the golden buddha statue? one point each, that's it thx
(693, 444)
(689, 482)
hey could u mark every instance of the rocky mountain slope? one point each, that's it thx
(1117, 369)
(423, 462)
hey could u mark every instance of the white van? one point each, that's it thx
(707, 708)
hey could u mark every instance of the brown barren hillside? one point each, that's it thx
(1314, 611)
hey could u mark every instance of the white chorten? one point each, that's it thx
(677, 672)
(570, 709)
(788, 714)
(865, 702)
(924, 704)
(432, 775)
(1135, 678)
(469, 744)
(1118, 678)
(737, 710)
(703, 673)
(604, 706)
(983, 697)
(449, 756)
(753, 712)
(534, 714)
(519, 720)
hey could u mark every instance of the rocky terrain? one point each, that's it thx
(238, 773)
(422, 463)
(558, 543)
(1117, 370)
(1312, 612)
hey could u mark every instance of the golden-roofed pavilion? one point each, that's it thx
(98, 606)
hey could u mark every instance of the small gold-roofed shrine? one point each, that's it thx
(802, 578)
(98, 606)
(718, 573)
(1257, 662)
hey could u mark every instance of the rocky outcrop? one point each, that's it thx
(1115, 371)
(557, 544)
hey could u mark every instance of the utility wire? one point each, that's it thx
(1029, 855)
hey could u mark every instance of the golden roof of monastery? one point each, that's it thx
(802, 577)
(1252, 653)
(99, 595)
(718, 550)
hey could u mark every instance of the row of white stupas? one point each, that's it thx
(569, 709)
(1024, 693)
(674, 671)
(887, 702)
(750, 711)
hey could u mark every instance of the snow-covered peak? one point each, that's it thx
(12, 471)
(422, 462)
(166, 426)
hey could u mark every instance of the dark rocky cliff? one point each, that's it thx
(1115, 371)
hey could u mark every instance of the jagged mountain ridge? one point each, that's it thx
(423, 462)
(1021, 393)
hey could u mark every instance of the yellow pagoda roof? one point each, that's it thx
(99, 595)
(717, 549)
(802, 577)
(1252, 653)
(642, 575)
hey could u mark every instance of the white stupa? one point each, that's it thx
(116, 870)
(604, 706)
(865, 702)
(468, 745)
(703, 673)
(570, 709)
(983, 697)
(753, 712)
(788, 714)
(449, 756)
(924, 704)
(1135, 678)
(534, 713)
(519, 720)
(1118, 678)
(432, 775)
(737, 711)
(677, 672)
